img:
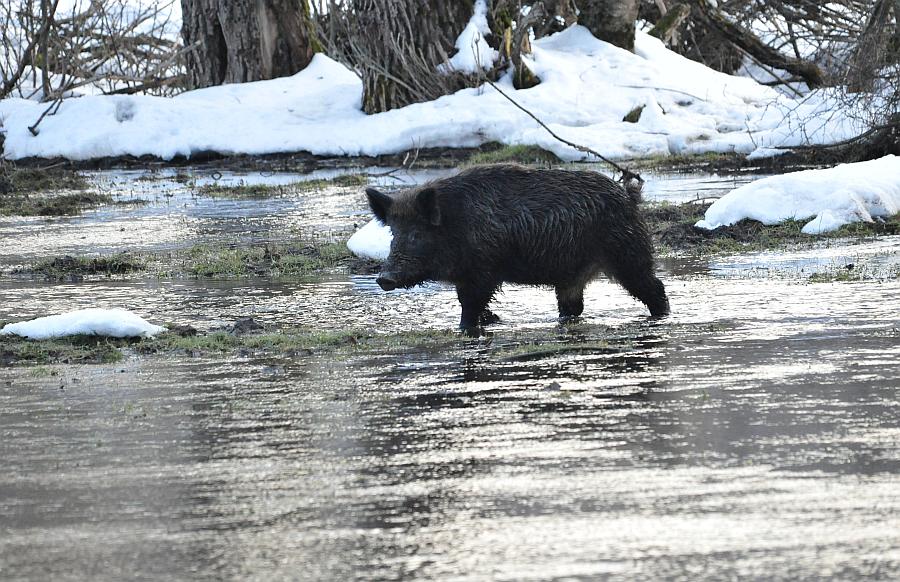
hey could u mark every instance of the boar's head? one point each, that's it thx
(415, 219)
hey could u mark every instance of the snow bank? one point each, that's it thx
(587, 87)
(834, 197)
(106, 322)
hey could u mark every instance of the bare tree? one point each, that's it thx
(110, 46)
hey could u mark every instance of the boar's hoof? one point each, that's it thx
(659, 309)
(563, 319)
(474, 331)
(386, 282)
(488, 317)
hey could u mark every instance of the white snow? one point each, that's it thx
(372, 241)
(831, 198)
(587, 87)
(105, 322)
(473, 51)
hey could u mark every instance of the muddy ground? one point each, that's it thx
(299, 423)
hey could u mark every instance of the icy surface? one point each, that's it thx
(587, 87)
(106, 322)
(831, 198)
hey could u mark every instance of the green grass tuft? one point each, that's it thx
(522, 154)
(28, 180)
(260, 191)
(269, 261)
(50, 205)
(296, 341)
(68, 267)
(79, 349)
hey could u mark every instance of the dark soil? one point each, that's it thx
(672, 226)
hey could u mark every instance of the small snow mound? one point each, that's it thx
(831, 198)
(118, 323)
(474, 53)
(372, 241)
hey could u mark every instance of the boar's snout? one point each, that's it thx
(387, 281)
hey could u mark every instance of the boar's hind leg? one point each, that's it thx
(570, 300)
(639, 280)
(474, 299)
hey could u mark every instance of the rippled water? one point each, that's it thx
(174, 216)
(755, 434)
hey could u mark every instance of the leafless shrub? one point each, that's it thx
(104, 46)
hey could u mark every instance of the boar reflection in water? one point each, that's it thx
(505, 223)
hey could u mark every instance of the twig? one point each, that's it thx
(152, 84)
(56, 104)
(626, 173)
(844, 142)
(692, 96)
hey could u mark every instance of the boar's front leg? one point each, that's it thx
(570, 299)
(474, 298)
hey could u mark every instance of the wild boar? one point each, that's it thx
(502, 223)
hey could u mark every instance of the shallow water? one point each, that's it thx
(173, 216)
(755, 433)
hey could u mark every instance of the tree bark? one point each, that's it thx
(873, 49)
(610, 20)
(666, 29)
(397, 45)
(235, 41)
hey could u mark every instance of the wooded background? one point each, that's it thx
(397, 47)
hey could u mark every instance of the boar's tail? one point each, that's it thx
(634, 186)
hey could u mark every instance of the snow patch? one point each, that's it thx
(833, 197)
(104, 322)
(372, 241)
(587, 87)
(473, 54)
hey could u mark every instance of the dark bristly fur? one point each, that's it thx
(506, 223)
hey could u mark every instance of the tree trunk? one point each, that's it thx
(666, 28)
(234, 41)
(398, 45)
(610, 20)
(873, 49)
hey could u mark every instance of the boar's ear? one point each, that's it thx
(427, 204)
(380, 203)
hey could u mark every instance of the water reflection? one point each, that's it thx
(171, 215)
(754, 431)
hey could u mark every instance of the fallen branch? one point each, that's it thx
(54, 107)
(147, 85)
(760, 51)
